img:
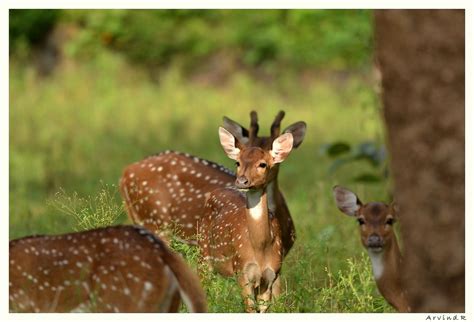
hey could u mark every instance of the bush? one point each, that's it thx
(29, 27)
(294, 39)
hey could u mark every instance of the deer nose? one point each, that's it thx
(242, 182)
(375, 241)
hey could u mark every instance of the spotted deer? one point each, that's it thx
(239, 231)
(375, 221)
(113, 269)
(171, 187)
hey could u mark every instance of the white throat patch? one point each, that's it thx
(257, 209)
(377, 263)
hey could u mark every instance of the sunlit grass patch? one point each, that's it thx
(100, 210)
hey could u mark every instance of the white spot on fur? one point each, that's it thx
(148, 286)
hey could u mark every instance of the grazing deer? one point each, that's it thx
(114, 269)
(377, 235)
(171, 187)
(239, 232)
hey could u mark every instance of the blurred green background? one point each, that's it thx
(94, 90)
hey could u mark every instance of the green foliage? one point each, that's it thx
(90, 212)
(356, 286)
(350, 289)
(85, 123)
(272, 40)
(29, 26)
(343, 154)
(223, 294)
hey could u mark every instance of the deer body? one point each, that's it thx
(170, 189)
(376, 220)
(240, 234)
(114, 269)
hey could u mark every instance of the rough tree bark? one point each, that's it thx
(421, 57)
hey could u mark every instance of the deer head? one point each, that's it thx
(249, 137)
(255, 166)
(375, 218)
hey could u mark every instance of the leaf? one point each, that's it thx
(367, 178)
(335, 149)
(371, 152)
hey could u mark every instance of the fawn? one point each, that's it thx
(239, 232)
(113, 269)
(377, 235)
(171, 187)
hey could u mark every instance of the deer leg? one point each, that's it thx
(204, 266)
(249, 280)
(175, 303)
(276, 288)
(265, 292)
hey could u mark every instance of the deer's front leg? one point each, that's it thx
(249, 281)
(276, 288)
(247, 293)
(265, 291)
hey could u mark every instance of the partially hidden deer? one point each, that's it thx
(376, 221)
(113, 269)
(169, 189)
(239, 231)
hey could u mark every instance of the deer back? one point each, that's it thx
(114, 269)
(169, 190)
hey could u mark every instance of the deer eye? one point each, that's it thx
(237, 163)
(262, 165)
(360, 221)
(390, 221)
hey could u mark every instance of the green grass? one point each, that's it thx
(72, 134)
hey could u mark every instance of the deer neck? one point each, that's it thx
(385, 264)
(258, 218)
(386, 268)
(272, 191)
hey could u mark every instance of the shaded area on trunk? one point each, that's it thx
(421, 56)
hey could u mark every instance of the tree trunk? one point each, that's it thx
(421, 57)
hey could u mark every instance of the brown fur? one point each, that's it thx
(389, 285)
(239, 232)
(113, 269)
(232, 240)
(180, 183)
(376, 219)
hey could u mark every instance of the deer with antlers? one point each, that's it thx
(113, 269)
(240, 233)
(378, 237)
(170, 188)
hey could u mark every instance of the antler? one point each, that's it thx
(275, 128)
(253, 130)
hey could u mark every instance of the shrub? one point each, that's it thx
(29, 27)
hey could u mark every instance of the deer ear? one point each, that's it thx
(394, 209)
(281, 147)
(237, 130)
(298, 130)
(228, 143)
(346, 200)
